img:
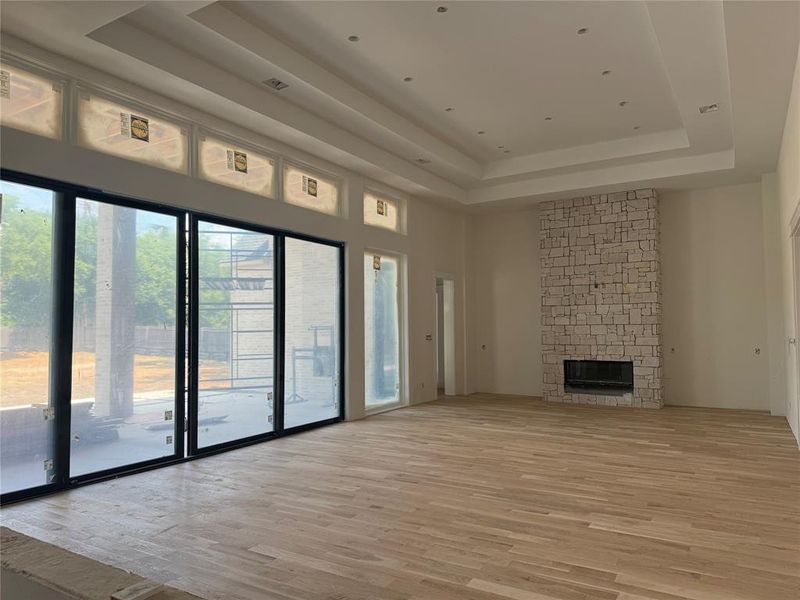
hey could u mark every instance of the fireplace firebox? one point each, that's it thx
(612, 376)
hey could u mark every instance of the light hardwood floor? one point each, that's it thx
(478, 498)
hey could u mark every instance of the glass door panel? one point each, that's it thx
(311, 381)
(124, 338)
(236, 347)
(27, 421)
(381, 330)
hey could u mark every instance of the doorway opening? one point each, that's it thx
(445, 336)
(793, 399)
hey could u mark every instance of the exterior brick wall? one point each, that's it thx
(601, 296)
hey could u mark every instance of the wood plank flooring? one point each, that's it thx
(470, 498)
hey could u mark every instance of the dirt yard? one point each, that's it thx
(23, 375)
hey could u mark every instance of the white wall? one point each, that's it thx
(713, 298)
(788, 198)
(713, 276)
(505, 303)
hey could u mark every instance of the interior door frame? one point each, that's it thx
(449, 329)
(794, 344)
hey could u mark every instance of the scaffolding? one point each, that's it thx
(244, 265)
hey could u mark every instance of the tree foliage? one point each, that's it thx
(26, 265)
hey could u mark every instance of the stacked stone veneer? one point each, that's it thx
(601, 297)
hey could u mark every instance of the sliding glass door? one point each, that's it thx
(312, 297)
(381, 330)
(125, 337)
(27, 409)
(236, 333)
(96, 292)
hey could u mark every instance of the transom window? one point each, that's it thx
(114, 128)
(30, 102)
(232, 165)
(310, 190)
(381, 211)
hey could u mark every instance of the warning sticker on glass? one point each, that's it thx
(376, 263)
(135, 127)
(5, 84)
(381, 207)
(237, 161)
(310, 186)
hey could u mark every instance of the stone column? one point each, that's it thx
(114, 311)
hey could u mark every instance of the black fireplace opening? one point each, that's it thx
(603, 376)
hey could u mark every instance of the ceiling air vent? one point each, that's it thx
(709, 108)
(276, 84)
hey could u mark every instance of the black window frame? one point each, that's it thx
(60, 387)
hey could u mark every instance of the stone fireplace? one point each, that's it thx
(601, 298)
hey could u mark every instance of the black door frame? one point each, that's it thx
(61, 339)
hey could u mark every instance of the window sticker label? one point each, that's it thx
(134, 127)
(376, 263)
(381, 208)
(140, 128)
(310, 186)
(237, 161)
(5, 84)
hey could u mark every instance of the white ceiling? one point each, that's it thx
(502, 66)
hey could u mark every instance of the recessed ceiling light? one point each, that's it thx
(582, 30)
(408, 79)
(275, 84)
(709, 108)
(449, 109)
(481, 132)
(353, 38)
(423, 161)
(623, 103)
(548, 118)
(441, 9)
(606, 72)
